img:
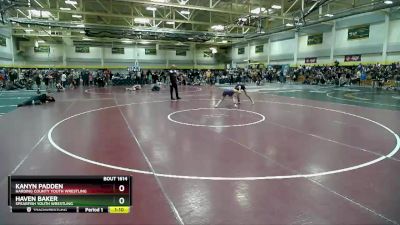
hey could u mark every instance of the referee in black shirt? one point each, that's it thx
(174, 82)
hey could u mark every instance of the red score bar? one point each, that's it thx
(69, 185)
(80, 189)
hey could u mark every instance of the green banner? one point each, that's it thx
(207, 54)
(180, 52)
(259, 48)
(3, 41)
(82, 200)
(117, 51)
(240, 51)
(41, 49)
(358, 32)
(82, 49)
(150, 51)
(315, 39)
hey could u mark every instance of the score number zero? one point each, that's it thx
(121, 187)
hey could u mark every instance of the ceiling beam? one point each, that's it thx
(212, 5)
(92, 25)
(197, 7)
(123, 16)
(288, 10)
(127, 16)
(107, 10)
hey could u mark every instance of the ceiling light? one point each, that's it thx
(276, 6)
(76, 16)
(170, 22)
(145, 42)
(289, 25)
(86, 39)
(71, 2)
(127, 41)
(218, 27)
(151, 8)
(141, 20)
(80, 25)
(257, 10)
(38, 13)
(183, 2)
(329, 15)
(185, 12)
(223, 42)
(28, 30)
(388, 2)
(190, 38)
(66, 9)
(46, 14)
(160, 1)
(213, 50)
(82, 32)
(40, 41)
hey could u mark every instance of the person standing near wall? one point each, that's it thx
(174, 82)
(164, 77)
(46, 80)
(85, 77)
(63, 79)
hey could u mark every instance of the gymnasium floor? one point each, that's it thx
(299, 155)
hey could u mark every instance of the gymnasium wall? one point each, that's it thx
(6, 52)
(62, 55)
(239, 58)
(283, 45)
(279, 50)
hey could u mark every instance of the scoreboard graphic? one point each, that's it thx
(69, 194)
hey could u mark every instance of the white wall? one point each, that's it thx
(128, 54)
(315, 50)
(372, 58)
(393, 57)
(7, 48)
(259, 56)
(56, 52)
(57, 57)
(371, 49)
(281, 62)
(376, 37)
(394, 31)
(6, 52)
(94, 53)
(282, 47)
(239, 58)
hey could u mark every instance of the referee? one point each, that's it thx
(174, 82)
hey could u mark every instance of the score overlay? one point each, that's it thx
(70, 194)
